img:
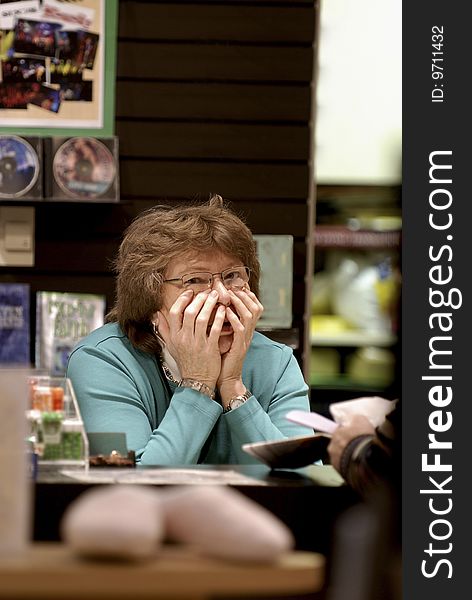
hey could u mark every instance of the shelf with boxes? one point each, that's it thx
(343, 236)
(56, 433)
(355, 289)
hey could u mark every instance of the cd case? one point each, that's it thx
(290, 453)
(82, 169)
(21, 168)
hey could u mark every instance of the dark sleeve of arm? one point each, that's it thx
(371, 459)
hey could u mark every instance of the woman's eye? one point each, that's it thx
(196, 281)
(231, 276)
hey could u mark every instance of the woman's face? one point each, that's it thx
(212, 261)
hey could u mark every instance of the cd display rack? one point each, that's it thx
(64, 169)
(21, 161)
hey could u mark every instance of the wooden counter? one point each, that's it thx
(50, 571)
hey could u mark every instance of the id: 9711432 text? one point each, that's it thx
(437, 63)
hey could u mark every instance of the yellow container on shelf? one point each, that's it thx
(328, 325)
(325, 363)
(371, 365)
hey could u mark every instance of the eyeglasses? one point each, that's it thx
(233, 278)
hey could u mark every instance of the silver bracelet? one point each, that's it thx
(198, 386)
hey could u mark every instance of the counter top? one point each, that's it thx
(52, 571)
(235, 475)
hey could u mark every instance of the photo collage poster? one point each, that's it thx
(52, 63)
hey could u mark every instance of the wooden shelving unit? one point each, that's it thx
(363, 220)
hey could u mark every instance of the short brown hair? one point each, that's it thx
(156, 237)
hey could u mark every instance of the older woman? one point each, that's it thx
(178, 366)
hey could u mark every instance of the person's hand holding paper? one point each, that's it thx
(373, 408)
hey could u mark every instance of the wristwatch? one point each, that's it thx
(237, 401)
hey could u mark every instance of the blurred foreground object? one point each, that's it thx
(130, 523)
(15, 492)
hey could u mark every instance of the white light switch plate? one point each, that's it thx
(16, 236)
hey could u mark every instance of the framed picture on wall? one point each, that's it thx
(57, 67)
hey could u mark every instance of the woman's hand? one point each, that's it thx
(243, 321)
(342, 435)
(191, 338)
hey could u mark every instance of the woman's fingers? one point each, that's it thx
(253, 297)
(217, 324)
(238, 327)
(203, 316)
(176, 311)
(190, 320)
(247, 305)
(243, 308)
(256, 301)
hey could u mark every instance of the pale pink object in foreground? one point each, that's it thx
(130, 523)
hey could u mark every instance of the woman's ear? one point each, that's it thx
(155, 322)
(161, 327)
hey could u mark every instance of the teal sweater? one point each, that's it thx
(122, 389)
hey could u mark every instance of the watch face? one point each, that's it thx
(236, 403)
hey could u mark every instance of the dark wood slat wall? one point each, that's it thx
(212, 101)
(211, 96)
(213, 62)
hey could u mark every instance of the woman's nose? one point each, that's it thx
(223, 293)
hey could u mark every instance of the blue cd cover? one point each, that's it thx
(14, 324)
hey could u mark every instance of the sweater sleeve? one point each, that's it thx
(111, 399)
(255, 422)
(183, 431)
